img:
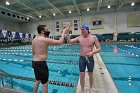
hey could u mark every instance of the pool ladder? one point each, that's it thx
(2, 74)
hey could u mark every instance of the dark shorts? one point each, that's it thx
(41, 71)
(83, 62)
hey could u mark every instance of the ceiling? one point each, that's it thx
(19, 10)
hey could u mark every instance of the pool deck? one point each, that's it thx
(103, 82)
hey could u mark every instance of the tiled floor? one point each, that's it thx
(103, 82)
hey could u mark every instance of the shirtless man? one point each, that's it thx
(40, 51)
(87, 43)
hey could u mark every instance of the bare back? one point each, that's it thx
(40, 48)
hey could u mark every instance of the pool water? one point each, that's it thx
(123, 64)
(62, 63)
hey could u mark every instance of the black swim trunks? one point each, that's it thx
(41, 71)
(83, 62)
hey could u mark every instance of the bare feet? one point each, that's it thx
(82, 91)
(91, 90)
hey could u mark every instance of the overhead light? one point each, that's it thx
(22, 17)
(108, 6)
(14, 15)
(7, 3)
(8, 14)
(53, 14)
(132, 4)
(39, 16)
(87, 9)
(69, 12)
(18, 16)
(3, 12)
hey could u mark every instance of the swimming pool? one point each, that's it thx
(62, 63)
(123, 64)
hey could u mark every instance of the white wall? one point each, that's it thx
(10, 26)
(32, 27)
(109, 24)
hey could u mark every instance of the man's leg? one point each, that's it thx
(90, 67)
(82, 81)
(36, 85)
(82, 67)
(91, 81)
(45, 88)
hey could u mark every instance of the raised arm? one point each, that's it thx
(71, 41)
(61, 40)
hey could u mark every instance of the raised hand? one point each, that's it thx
(67, 28)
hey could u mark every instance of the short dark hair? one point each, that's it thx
(39, 28)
